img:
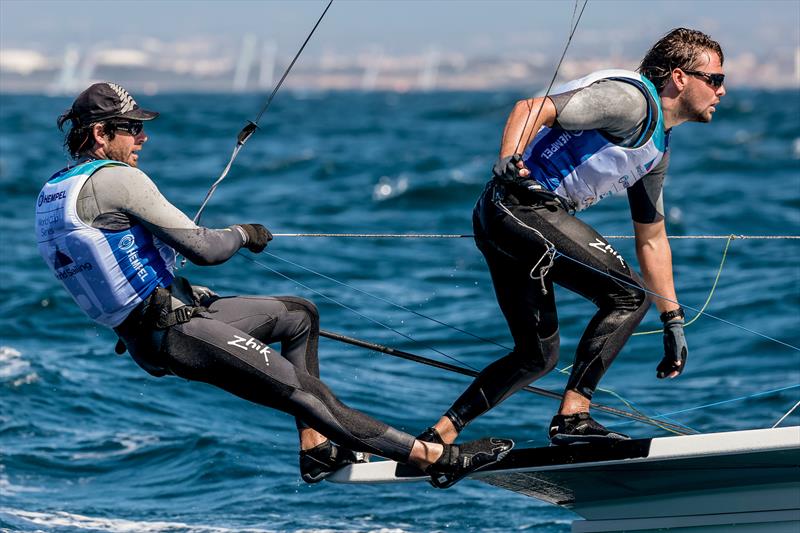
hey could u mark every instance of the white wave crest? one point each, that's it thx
(128, 444)
(15, 369)
(63, 519)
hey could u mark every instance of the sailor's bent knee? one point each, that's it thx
(293, 303)
(632, 297)
(541, 356)
(550, 347)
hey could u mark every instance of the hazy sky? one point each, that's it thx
(399, 27)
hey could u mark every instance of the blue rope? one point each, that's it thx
(377, 322)
(698, 311)
(663, 416)
(422, 315)
(740, 398)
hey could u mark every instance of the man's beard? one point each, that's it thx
(698, 113)
(122, 157)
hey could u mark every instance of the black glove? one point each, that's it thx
(257, 237)
(675, 349)
(506, 170)
(203, 295)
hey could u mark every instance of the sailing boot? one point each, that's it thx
(459, 460)
(580, 427)
(431, 435)
(322, 460)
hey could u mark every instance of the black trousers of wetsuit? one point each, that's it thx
(226, 346)
(511, 250)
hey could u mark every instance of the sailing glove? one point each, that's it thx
(675, 349)
(257, 237)
(507, 171)
(203, 295)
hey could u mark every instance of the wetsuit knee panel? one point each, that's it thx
(319, 402)
(293, 303)
(630, 296)
(551, 348)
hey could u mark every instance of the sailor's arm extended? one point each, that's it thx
(655, 259)
(646, 201)
(122, 192)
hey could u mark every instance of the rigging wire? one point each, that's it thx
(470, 236)
(652, 293)
(555, 74)
(628, 403)
(723, 402)
(636, 416)
(469, 370)
(710, 294)
(251, 126)
(362, 315)
(390, 302)
(699, 312)
(787, 414)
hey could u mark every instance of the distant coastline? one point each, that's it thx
(25, 71)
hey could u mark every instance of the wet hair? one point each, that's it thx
(680, 48)
(78, 139)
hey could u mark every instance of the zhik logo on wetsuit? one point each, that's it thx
(245, 344)
(606, 249)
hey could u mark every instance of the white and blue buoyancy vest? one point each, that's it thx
(584, 166)
(107, 273)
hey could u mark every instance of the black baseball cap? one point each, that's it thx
(103, 101)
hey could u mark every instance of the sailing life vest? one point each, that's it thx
(107, 273)
(584, 166)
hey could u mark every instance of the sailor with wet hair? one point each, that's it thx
(604, 133)
(111, 238)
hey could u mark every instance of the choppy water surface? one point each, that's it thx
(91, 443)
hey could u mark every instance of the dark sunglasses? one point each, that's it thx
(716, 80)
(133, 127)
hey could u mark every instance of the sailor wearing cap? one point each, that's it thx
(110, 237)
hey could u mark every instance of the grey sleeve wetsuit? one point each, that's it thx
(619, 111)
(227, 345)
(509, 224)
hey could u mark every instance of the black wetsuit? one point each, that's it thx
(511, 224)
(225, 342)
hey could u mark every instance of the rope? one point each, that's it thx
(724, 321)
(362, 315)
(787, 414)
(628, 403)
(678, 429)
(642, 417)
(740, 398)
(390, 302)
(469, 235)
(555, 73)
(251, 127)
(708, 299)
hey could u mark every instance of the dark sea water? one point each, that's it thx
(89, 442)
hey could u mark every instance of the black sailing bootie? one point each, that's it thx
(460, 460)
(580, 427)
(322, 460)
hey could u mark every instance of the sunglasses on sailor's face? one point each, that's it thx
(134, 127)
(716, 80)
